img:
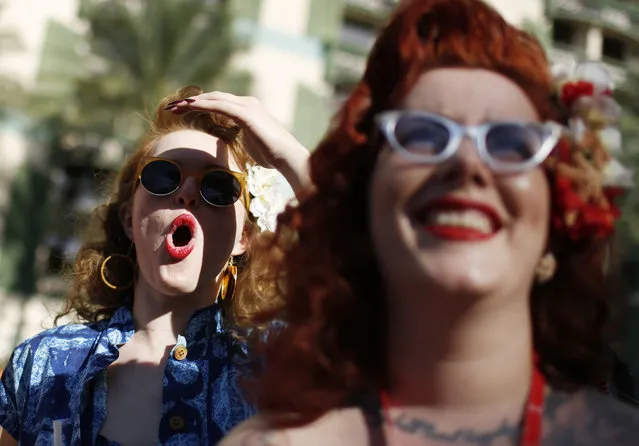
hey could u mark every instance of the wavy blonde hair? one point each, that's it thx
(89, 297)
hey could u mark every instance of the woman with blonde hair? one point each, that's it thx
(446, 282)
(164, 287)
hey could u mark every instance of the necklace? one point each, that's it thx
(533, 414)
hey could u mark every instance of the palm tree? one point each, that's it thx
(148, 48)
(11, 94)
(136, 52)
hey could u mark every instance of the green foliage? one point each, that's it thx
(628, 225)
(628, 97)
(25, 225)
(11, 92)
(134, 54)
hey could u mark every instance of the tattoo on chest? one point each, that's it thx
(426, 429)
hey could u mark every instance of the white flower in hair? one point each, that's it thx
(270, 193)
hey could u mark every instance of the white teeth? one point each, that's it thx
(464, 219)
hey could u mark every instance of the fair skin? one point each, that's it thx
(167, 292)
(460, 353)
(6, 439)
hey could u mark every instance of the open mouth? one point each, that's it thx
(180, 239)
(453, 218)
(182, 236)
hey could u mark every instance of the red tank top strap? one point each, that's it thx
(534, 412)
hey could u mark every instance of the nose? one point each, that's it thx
(465, 167)
(188, 195)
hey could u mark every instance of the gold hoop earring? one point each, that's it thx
(103, 271)
(546, 268)
(229, 278)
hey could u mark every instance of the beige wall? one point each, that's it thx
(276, 76)
(290, 16)
(282, 57)
(516, 11)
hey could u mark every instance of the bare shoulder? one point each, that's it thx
(590, 418)
(338, 427)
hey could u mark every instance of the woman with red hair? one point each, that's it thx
(446, 282)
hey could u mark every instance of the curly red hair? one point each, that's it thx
(333, 303)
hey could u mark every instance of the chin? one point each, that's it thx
(176, 280)
(464, 285)
(461, 275)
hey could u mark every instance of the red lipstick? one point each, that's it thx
(180, 240)
(456, 232)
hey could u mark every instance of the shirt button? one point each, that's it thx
(180, 353)
(176, 423)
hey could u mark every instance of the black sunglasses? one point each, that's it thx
(218, 187)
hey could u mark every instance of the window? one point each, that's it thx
(564, 32)
(357, 34)
(614, 48)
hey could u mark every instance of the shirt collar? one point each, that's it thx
(205, 322)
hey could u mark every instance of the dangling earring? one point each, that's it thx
(127, 260)
(546, 268)
(227, 284)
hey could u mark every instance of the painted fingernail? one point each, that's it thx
(189, 100)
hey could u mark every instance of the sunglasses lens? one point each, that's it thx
(160, 177)
(221, 188)
(422, 135)
(512, 143)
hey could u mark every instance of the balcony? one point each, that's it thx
(617, 15)
(345, 63)
(374, 11)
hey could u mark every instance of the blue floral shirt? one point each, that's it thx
(59, 375)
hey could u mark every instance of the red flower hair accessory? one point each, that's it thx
(587, 175)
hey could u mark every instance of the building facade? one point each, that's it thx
(602, 30)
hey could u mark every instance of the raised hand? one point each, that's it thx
(268, 142)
